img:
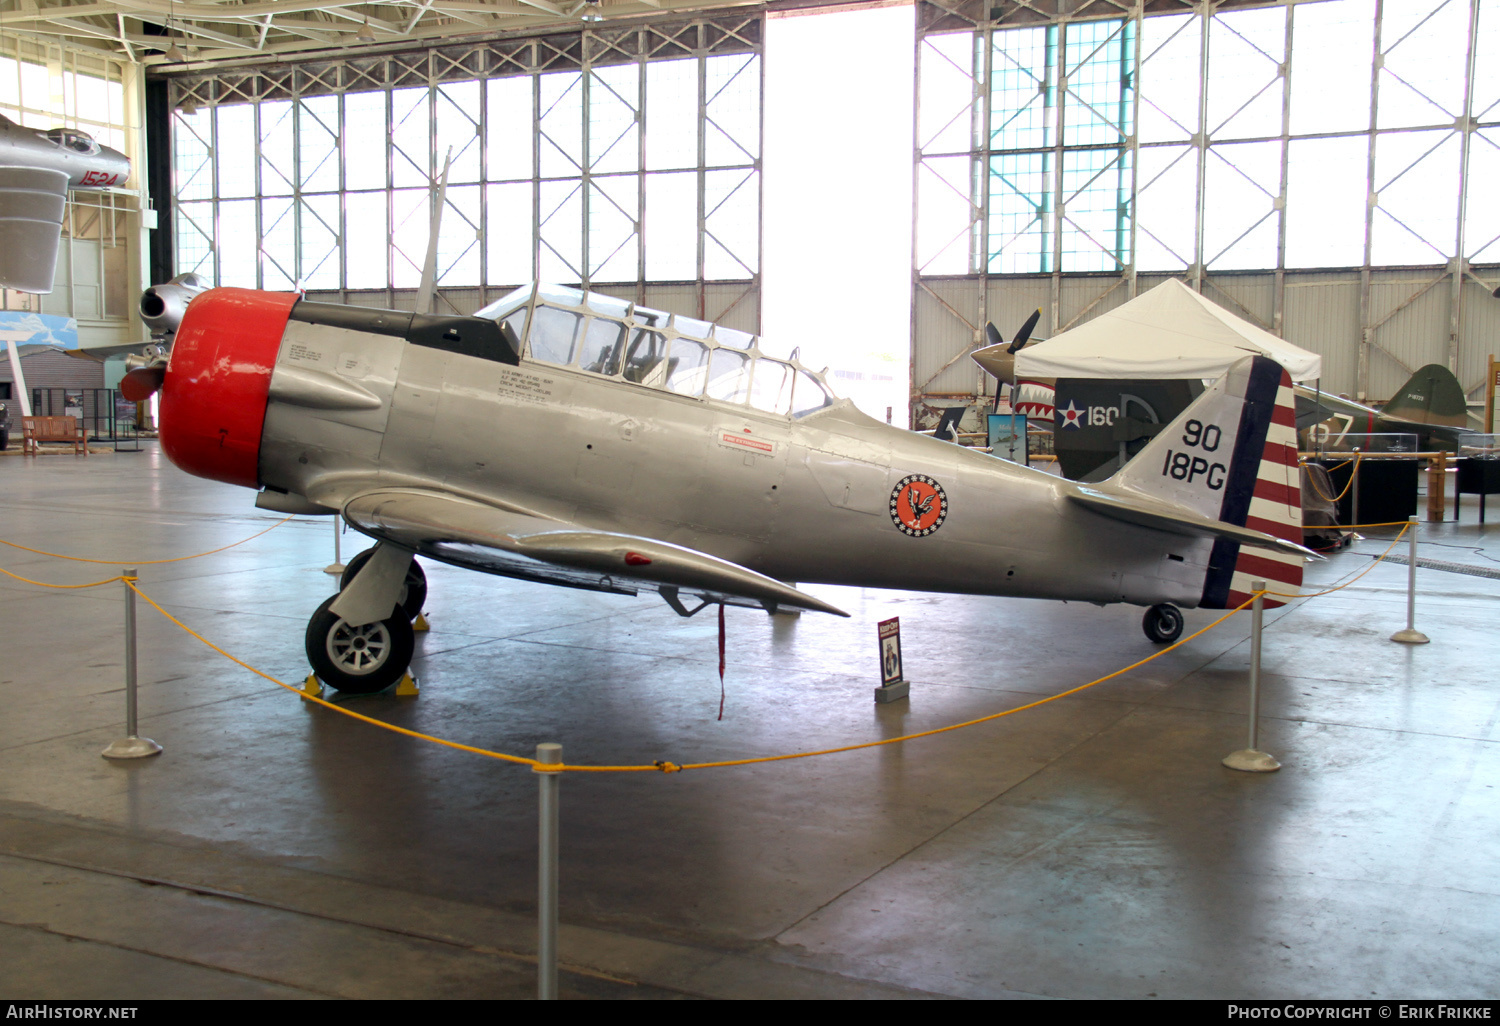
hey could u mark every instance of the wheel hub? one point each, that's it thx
(358, 650)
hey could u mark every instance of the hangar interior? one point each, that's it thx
(1319, 168)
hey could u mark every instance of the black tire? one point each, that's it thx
(4, 439)
(413, 594)
(1163, 623)
(358, 660)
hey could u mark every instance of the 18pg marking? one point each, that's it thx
(1187, 466)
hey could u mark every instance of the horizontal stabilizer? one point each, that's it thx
(451, 528)
(1174, 520)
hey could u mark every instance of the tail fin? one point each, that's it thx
(1231, 457)
(1431, 396)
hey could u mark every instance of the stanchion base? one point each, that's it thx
(1410, 637)
(334, 568)
(1249, 760)
(312, 686)
(407, 685)
(893, 692)
(420, 624)
(131, 748)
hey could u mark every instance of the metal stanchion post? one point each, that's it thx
(337, 566)
(1354, 492)
(131, 746)
(1411, 636)
(548, 754)
(1251, 759)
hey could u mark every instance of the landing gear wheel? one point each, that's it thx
(358, 660)
(1163, 623)
(413, 593)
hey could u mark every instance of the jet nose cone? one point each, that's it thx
(116, 162)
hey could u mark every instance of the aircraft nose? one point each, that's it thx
(997, 360)
(117, 163)
(215, 388)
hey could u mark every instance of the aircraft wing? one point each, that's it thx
(483, 537)
(1174, 520)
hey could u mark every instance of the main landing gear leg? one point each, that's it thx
(1163, 623)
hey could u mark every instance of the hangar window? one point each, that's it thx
(1102, 145)
(625, 155)
(1070, 162)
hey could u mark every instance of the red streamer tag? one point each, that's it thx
(721, 660)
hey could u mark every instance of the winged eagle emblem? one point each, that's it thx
(922, 508)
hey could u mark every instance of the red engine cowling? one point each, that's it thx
(213, 397)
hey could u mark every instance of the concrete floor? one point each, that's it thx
(1094, 847)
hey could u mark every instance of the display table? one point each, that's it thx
(1477, 476)
(1387, 489)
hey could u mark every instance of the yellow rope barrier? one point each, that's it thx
(1347, 484)
(44, 584)
(388, 726)
(663, 766)
(968, 723)
(145, 562)
(1377, 561)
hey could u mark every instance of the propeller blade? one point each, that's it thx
(1024, 334)
(992, 334)
(140, 384)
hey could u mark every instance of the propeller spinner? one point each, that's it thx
(999, 357)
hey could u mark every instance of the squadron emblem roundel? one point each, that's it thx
(918, 505)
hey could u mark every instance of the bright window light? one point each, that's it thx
(838, 193)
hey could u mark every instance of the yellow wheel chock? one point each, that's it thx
(420, 624)
(406, 687)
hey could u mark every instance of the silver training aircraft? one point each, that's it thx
(36, 171)
(576, 439)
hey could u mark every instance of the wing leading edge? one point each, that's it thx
(482, 537)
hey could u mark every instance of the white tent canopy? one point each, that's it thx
(1169, 332)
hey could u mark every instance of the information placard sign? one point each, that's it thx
(890, 651)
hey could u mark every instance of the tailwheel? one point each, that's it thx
(1163, 623)
(413, 592)
(358, 660)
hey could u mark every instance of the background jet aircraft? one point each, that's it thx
(36, 171)
(577, 439)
